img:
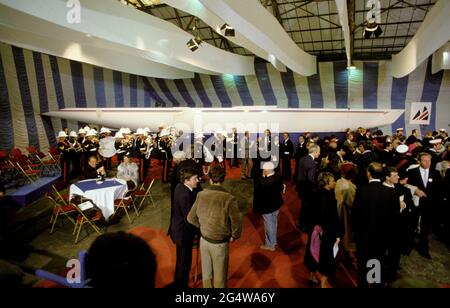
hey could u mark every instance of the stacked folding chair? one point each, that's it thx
(55, 157)
(125, 203)
(86, 218)
(57, 187)
(60, 209)
(49, 166)
(144, 192)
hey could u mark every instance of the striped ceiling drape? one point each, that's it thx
(32, 83)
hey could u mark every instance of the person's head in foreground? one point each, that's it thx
(217, 175)
(120, 259)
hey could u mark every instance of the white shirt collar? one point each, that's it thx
(388, 185)
(375, 180)
(188, 187)
(422, 170)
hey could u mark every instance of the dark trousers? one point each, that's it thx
(167, 166)
(286, 168)
(425, 228)
(362, 258)
(183, 266)
(65, 164)
(305, 217)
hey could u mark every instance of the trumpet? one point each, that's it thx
(148, 150)
(76, 146)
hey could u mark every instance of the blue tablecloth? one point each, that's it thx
(92, 184)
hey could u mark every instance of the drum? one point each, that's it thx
(107, 147)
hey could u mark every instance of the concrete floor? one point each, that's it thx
(51, 251)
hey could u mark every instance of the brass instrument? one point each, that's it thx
(148, 151)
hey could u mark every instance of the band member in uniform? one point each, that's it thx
(74, 155)
(166, 154)
(120, 145)
(91, 145)
(63, 147)
(140, 148)
(82, 150)
(105, 133)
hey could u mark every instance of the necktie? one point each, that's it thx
(425, 177)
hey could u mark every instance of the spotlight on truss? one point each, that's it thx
(229, 30)
(194, 43)
(374, 29)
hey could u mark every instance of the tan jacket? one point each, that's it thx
(345, 192)
(216, 213)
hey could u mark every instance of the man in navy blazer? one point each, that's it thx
(181, 231)
(374, 214)
(306, 185)
(428, 182)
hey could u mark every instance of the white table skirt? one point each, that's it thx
(103, 198)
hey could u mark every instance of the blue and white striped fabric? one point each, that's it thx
(32, 83)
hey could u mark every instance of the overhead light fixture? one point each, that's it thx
(372, 29)
(351, 68)
(229, 30)
(194, 43)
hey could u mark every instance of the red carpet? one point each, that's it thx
(251, 267)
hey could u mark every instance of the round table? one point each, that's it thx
(102, 194)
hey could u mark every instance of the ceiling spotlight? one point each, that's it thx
(372, 29)
(229, 30)
(194, 43)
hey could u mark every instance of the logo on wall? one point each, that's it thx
(420, 113)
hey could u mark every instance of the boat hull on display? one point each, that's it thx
(253, 119)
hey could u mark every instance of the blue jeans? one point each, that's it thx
(270, 228)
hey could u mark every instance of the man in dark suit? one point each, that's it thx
(373, 215)
(306, 185)
(93, 170)
(415, 135)
(446, 205)
(181, 231)
(286, 151)
(363, 160)
(428, 182)
(300, 152)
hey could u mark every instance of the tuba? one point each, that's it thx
(107, 147)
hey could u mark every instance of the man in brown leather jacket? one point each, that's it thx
(216, 213)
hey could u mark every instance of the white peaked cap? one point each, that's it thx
(118, 135)
(435, 141)
(91, 132)
(402, 149)
(140, 131)
(105, 130)
(62, 134)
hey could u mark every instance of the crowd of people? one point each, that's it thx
(371, 196)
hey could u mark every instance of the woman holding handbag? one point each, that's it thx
(324, 240)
